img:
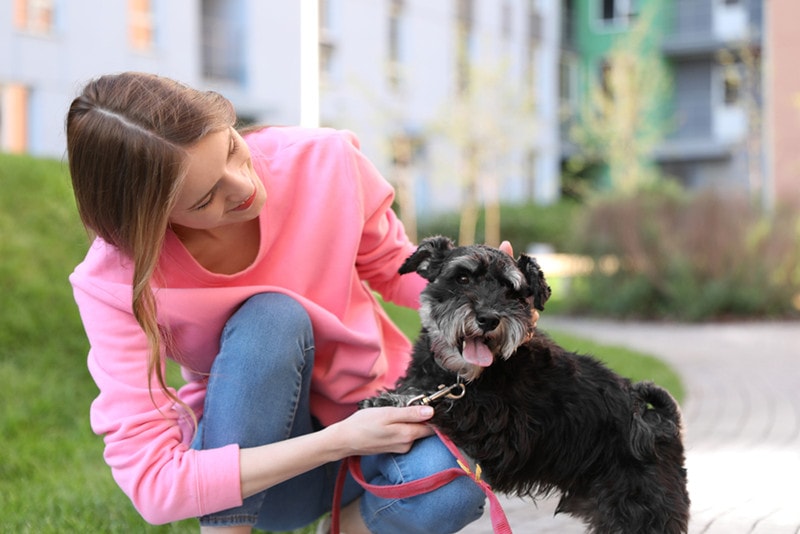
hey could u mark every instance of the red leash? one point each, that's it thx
(417, 487)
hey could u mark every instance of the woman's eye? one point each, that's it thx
(206, 203)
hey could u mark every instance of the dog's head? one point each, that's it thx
(478, 303)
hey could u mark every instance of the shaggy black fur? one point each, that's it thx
(540, 419)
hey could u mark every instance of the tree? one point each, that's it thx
(489, 121)
(621, 123)
(741, 65)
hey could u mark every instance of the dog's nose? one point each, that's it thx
(488, 321)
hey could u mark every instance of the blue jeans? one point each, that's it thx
(258, 393)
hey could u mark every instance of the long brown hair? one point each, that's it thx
(126, 140)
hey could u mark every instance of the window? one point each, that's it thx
(567, 85)
(327, 46)
(396, 8)
(140, 25)
(35, 16)
(222, 40)
(568, 23)
(534, 24)
(531, 44)
(464, 10)
(506, 20)
(13, 118)
(617, 12)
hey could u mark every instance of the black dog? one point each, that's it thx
(535, 417)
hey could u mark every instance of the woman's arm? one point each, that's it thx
(370, 431)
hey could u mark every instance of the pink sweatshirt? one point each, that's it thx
(327, 230)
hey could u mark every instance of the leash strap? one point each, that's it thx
(416, 487)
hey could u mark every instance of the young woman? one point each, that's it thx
(251, 262)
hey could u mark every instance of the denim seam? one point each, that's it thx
(390, 504)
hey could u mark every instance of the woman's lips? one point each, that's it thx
(247, 203)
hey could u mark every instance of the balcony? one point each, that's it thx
(700, 28)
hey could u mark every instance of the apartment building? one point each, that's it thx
(49, 48)
(714, 49)
(734, 101)
(782, 103)
(390, 70)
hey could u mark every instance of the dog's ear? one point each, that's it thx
(427, 260)
(540, 290)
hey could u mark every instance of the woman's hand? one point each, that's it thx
(506, 247)
(384, 429)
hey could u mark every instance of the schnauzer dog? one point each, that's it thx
(537, 418)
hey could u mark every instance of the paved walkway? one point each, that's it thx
(742, 418)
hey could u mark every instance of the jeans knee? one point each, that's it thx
(272, 315)
(446, 509)
(274, 310)
(465, 504)
(268, 328)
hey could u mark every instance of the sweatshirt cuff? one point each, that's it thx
(219, 480)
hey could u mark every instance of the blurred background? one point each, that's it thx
(652, 143)
(646, 151)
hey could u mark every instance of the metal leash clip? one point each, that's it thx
(443, 391)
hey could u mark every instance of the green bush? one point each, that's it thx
(687, 257)
(675, 255)
(522, 225)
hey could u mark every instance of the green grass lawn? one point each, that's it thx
(52, 474)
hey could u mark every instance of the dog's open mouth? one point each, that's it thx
(475, 351)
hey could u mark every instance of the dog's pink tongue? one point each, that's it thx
(477, 353)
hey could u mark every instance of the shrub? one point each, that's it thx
(522, 225)
(688, 257)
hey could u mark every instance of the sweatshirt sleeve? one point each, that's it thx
(384, 244)
(144, 445)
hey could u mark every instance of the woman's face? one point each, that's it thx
(220, 186)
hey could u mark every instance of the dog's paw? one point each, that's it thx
(384, 399)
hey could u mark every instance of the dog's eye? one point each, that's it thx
(463, 279)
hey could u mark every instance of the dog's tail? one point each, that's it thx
(656, 416)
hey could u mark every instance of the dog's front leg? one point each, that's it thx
(391, 398)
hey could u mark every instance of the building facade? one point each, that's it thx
(732, 109)
(782, 103)
(714, 49)
(433, 88)
(389, 70)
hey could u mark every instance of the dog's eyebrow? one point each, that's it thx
(513, 275)
(472, 263)
(469, 263)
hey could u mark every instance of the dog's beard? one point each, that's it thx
(449, 332)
